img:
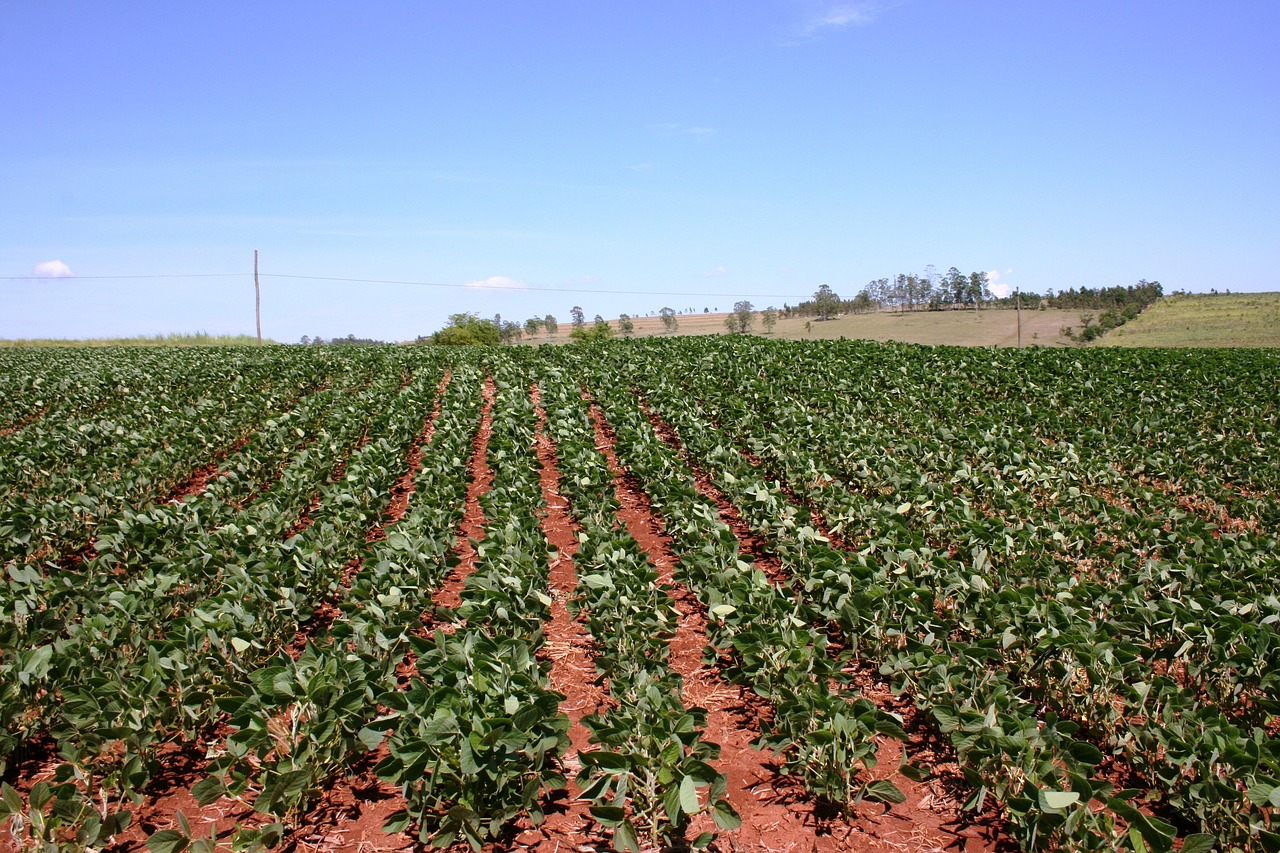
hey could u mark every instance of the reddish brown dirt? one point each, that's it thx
(22, 423)
(398, 503)
(473, 520)
(74, 560)
(402, 491)
(929, 819)
(773, 816)
(569, 825)
(815, 517)
(339, 471)
(350, 815)
(751, 546)
(198, 480)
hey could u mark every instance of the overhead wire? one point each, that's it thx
(517, 288)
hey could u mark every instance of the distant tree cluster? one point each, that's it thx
(955, 290)
(600, 330)
(464, 330)
(1141, 294)
(349, 340)
(1118, 305)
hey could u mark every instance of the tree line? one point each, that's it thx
(955, 290)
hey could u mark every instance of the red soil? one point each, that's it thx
(21, 423)
(350, 815)
(473, 520)
(929, 819)
(573, 672)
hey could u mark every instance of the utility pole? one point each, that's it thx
(257, 297)
(1018, 302)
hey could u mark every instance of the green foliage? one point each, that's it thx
(769, 319)
(1065, 558)
(468, 330)
(597, 332)
(739, 322)
(646, 777)
(64, 815)
(477, 739)
(669, 322)
(826, 302)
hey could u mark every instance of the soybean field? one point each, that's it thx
(720, 592)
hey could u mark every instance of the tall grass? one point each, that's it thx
(173, 339)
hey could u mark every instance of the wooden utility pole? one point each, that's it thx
(257, 297)
(1018, 302)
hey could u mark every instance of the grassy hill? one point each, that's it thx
(1203, 320)
(1198, 320)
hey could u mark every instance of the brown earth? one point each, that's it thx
(931, 817)
(569, 646)
(473, 520)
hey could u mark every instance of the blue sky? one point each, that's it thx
(621, 157)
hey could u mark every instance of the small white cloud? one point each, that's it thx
(673, 129)
(53, 269)
(1000, 289)
(641, 167)
(715, 273)
(831, 16)
(498, 282)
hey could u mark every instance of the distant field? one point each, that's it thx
(958, 328)
(1199, 320)
(199, 339)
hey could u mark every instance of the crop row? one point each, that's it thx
(1064, 559)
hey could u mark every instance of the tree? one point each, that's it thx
(740, 320)
(533, 325)
(578, 317)
(827, 302)
(955, 287)
(978, 291)
(769, 319)
(669, 321)
(467, 330)
(510, 332)
(625, 325)
(552, 326)
(599, 331)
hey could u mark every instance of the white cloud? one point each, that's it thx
(673, 129)
(715, 273)
(53, 269)
(830, 16)
(641, 167)
(498, 282)
(1001, 289)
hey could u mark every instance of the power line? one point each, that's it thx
(109, 277)
(474, 288)
(525, 289)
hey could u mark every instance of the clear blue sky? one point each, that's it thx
(736, 149)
